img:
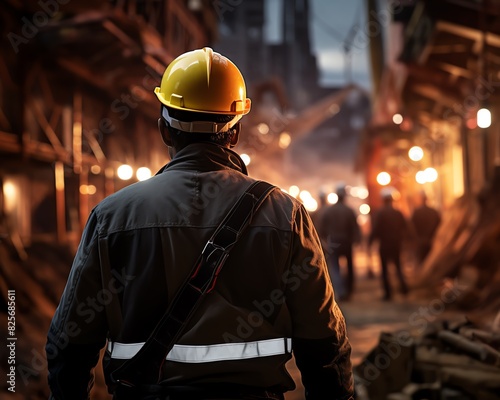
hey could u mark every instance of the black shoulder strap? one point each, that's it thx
(145, 366)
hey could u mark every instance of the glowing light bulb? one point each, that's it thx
(383, 178)
(416, 153)
(125, 172)
(483, 118)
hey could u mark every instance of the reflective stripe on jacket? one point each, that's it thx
(209, 353)
(273, 288)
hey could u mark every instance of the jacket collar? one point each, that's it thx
(206, 157)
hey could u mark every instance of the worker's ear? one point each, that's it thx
(164, 132)
(236, 135)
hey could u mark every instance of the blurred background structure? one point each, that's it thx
(78, 110)
(435, 129)
(78, 121)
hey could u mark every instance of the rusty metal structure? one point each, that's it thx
(76, 101)
(439, 68)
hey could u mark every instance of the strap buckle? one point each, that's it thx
(212, 249)
(214, 256)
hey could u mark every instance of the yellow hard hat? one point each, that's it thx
(204, 81)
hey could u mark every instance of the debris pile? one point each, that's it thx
(466, 251)
(449, 361)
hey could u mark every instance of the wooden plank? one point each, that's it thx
(120, 34)
(77, 131)
(40, 151)
(9, 142)
(47, 128)
(60, 201)
(435, 93)
(83, 72)
(44, 152)
(430, 356)
(55, 116)
(482, 351)
(95, 147)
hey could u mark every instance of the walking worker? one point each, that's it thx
(141, 247)
(389, 228)
(425, 221)
(323, 204)
(340, 231)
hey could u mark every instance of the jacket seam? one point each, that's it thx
(118, 230)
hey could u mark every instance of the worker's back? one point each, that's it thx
(389, 227)
(140, 245)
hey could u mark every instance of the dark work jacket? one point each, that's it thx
(425, 222)
(338, 225)
(274, 288)
(390, 228)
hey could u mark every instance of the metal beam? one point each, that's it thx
(47, 129)
(467, 32)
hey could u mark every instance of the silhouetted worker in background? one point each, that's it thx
(389, 228)
(425, 221)
(322, 205)
(339, 230)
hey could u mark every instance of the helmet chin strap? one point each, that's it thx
(199, 126)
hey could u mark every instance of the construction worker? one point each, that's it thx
(339, 230)
(389, 228)
(425, 221)
(322, 205)
(272, 300)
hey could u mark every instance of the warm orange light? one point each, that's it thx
(143, 173)
(332, 198)
(471, 123)
(285, 140)
(420, 177)
(263, 128)
(431, 174)
(294, 190)
(124, 172)
(484, 118)
(246, 158)
(416, 153)
(364, 209)
(383, 178)
(397, 119)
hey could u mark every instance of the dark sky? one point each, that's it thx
(331, 23)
